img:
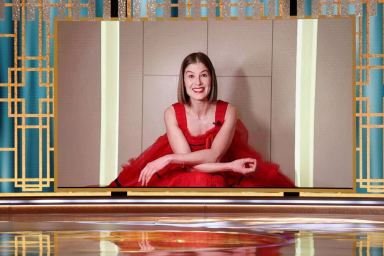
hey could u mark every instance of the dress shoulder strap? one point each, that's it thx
(180, 115)
(221, 108)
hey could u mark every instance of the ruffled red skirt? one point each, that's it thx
(174, 175)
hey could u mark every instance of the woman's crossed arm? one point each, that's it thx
(206, 160)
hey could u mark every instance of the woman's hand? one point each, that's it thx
(152, 167)
(244, 165)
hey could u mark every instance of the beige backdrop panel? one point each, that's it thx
(167, 43)
(241, 48)
(283, 95)
(79, 103)
(131, 84)
(159, 93)
(333, 108)
(252, 98)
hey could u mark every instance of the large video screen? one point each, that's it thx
(289, 83)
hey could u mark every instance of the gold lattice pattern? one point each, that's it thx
(16, 104)
(366, 63)
(41, 122)
(27, 243)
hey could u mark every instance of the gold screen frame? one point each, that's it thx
(195, 192)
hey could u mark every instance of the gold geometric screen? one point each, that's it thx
(369, 102)
(27, 42)
(27, 243)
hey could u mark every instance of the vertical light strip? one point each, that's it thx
(311, 31)
(305, 101)
(109, 101)
(107, 248)
(304, 244)
(298, 104)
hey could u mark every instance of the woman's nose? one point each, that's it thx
(198, 80)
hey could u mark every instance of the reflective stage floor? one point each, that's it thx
(186, 232)
(190, 235)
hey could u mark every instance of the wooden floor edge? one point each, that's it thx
(183, 208)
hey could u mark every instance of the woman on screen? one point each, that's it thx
(205, 144)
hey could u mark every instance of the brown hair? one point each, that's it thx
(194, 58)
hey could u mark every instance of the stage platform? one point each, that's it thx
(191, 226)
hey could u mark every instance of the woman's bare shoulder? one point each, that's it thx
(169, 110)
(170, 114)
(231, 112)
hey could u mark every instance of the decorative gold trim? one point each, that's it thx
(211, 191)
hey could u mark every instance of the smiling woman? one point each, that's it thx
(262, 67)
(205, 144)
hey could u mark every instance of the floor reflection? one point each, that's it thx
(193, 236)
(199, 242)
(145, 243)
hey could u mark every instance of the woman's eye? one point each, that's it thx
(205, 75)
(191, 76)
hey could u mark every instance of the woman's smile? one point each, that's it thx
(197, 80)
(198, 89)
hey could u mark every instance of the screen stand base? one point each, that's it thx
(291, 194)
(119, 194)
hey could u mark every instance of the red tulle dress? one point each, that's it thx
(176, 175)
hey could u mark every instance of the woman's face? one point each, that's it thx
(197, 81)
